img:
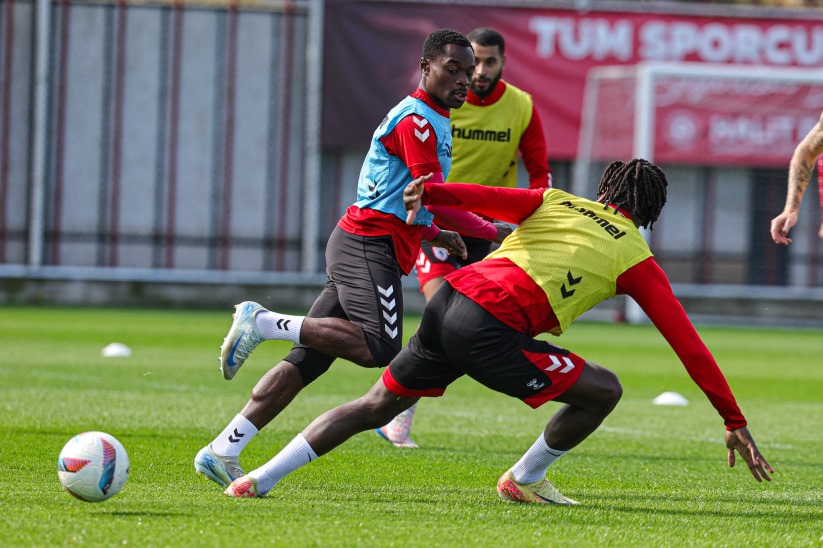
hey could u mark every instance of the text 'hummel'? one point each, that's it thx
(613, 231)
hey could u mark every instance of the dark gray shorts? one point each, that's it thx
(363, 285)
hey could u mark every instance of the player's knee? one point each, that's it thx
(609, 390)
(379, 406)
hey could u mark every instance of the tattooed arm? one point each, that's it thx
(800, 170)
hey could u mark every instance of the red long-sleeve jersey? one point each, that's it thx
(509, 293)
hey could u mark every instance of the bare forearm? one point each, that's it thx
(802, 166)
(800, 171)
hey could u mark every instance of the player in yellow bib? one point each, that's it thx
(567, 254)
(497, 124)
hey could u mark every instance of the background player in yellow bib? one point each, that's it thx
(497, 123)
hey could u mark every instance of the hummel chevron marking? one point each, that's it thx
(392, 332)
(572, 281)
(422, 135)
(421, 122)
(391, 319)
(386, 292)
(283, 324)
(236, 439)
(388, 305)
(424, 265)
(556, 364)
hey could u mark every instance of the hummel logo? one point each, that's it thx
(283, 324)
(572, 281)
(534, 385)
(420, 122)
(424, 265)
(557, 364)
(613, 230)
(422, 135)
(233, 439)
(389, 306)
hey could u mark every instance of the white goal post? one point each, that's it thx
(620, 105)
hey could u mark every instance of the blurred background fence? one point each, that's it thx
(197, 152)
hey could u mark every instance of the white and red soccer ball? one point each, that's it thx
(93, 466)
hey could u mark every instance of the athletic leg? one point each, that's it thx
(433, 264)
(219, 460)
(535, 372)
(326, 432)
(429, 373)
(587, 403)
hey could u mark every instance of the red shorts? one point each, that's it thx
(435, 262)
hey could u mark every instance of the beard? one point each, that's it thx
(483, 93)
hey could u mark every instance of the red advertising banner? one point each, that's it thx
(372, 52)
(728, 124)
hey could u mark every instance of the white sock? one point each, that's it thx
(296, 454)
(282, 327)
(533, 465)
(235, 437)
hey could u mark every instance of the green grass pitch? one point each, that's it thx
(650, 476)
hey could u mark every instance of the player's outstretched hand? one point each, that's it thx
(451, 242)
(741, 440)
(781, 225)
(413, 197)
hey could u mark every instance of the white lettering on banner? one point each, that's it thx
(732, 43)
(600, 39)
(753, 131)
(578, 39)
(672, 91)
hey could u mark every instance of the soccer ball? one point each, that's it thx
(93, 466)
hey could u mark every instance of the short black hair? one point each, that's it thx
(486, 36)
(436, 42)
(637, 186)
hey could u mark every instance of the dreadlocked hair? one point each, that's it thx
(637, 186)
